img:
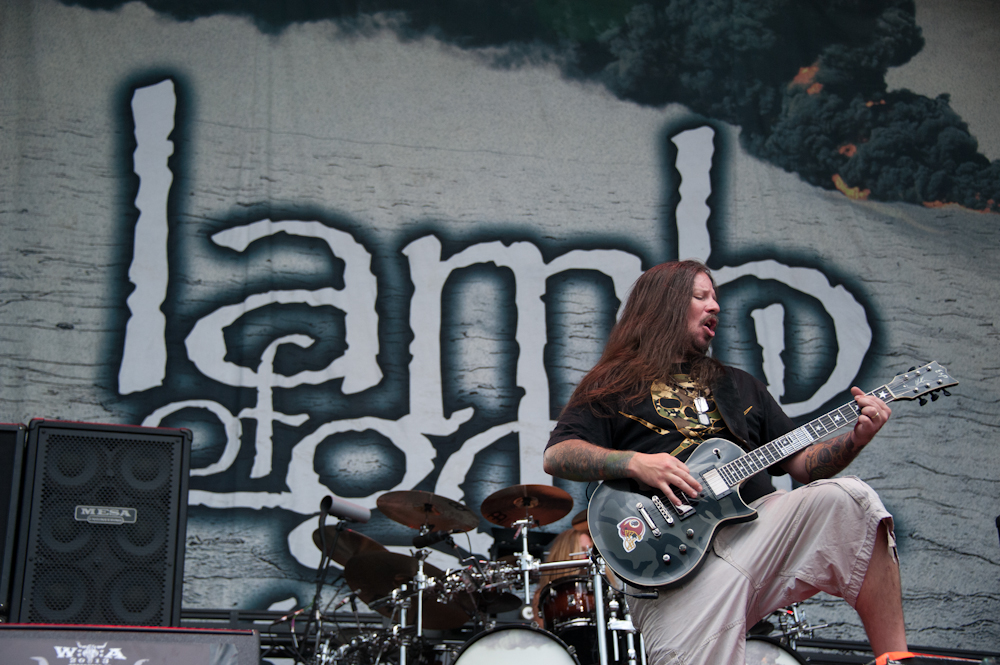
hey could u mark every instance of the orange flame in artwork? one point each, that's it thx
(806, 76)
(853, 193)
(848, 150)
(958, 206)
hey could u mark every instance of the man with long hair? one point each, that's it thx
(652, 398)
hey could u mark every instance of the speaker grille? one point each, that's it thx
(102, 546)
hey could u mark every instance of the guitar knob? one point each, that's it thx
(682, 549)
(689, 533)
(666, 558)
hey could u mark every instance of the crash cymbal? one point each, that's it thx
(544, 504)
(416, 509)
(374, 575)
(343, 544)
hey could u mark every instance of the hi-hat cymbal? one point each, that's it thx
(343, 544)
(416, 509)
(374, 575)
(544, 504)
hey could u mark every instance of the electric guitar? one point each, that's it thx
(650, 542)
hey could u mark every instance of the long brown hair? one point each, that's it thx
(649, 338)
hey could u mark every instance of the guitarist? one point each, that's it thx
(652, 398)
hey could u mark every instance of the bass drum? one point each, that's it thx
(766, 651)
(522, 645)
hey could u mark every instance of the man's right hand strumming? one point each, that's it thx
(575, 459)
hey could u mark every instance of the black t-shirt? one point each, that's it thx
(673, 420)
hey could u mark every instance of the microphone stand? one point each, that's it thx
(321, 573)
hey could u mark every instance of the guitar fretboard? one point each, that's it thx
(785, 446)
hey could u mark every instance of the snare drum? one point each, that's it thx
(766, 651)
(523, 645)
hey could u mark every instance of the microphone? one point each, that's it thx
(432, 538)
(344, 510)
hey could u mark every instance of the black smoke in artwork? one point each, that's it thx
(803, 79)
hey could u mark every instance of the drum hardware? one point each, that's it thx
(374, 576)
(793, 624)
(522, 507)
(623, 625)
(598, 573)
(762, 648)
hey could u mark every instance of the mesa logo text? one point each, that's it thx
(105, 515)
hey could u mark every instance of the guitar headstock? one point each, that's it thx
(921, 381)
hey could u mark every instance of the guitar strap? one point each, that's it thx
(727, 401)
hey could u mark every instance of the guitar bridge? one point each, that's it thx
(663, 510)
(649, 520)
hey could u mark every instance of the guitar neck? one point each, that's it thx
(785, 446)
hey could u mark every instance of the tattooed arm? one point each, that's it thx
(575, 459)
(828, 458)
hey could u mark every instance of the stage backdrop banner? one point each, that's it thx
(366, 250)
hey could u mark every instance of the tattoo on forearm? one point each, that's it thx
(828, 458)
(586, 465)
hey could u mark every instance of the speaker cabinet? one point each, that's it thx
(102, 525)
(11, 468)
(103, 644)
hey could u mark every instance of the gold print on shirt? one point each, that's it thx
(677, 405)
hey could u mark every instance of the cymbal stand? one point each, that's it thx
(421, 582)
(598, 571)
(527, 562)
(400, 600)
(321, 572)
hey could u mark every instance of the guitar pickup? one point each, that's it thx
(716, 483)
(684, 511)
(663, 510)
(649, 520)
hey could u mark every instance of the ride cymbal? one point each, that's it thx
(543, 504)
(416, 509)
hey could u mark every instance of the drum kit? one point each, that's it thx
(583, 620)
(586, 621)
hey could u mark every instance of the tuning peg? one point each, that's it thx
(946, 393)
(934, 397)
(923, 401)
(912, 368)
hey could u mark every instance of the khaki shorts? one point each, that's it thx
(819, 537)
